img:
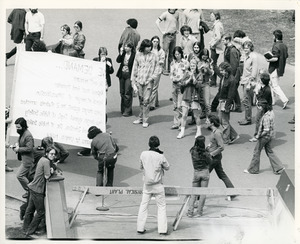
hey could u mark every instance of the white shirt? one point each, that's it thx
(153, 164)
(35, 21)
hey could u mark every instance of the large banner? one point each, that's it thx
(59, 96)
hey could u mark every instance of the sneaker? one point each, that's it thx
(285, 104)
(246, 171)
(245, 122)
(292, 121)
(8, 169)
(145, 125)
(253, 139)
(151, 108)
(278, 172)
(79, 154)
(293, 129)
(174, 127)
(198, 215)
(138, 121)
(189, 214)
(164, 234)
(141, 232)
(180, 135)
(233, 140)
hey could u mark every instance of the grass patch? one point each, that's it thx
(259, 26)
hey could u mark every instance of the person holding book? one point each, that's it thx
(277, 60)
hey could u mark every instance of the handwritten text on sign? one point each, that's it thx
(59, 96)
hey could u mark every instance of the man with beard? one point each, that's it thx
(34, 27)
(24, 149)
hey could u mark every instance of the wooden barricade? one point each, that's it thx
(178, 191)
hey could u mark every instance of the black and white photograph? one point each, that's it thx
(134, 122)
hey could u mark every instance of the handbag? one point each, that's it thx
(110, 160)
(204, 26)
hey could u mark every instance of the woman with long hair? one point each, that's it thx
(159, 52)
(126, 59)
(200, 159)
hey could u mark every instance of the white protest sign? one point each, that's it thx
(59, 96)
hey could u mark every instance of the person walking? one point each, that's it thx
(248, 80)
(170, 19)
(126, 59)
(153, 163)
(144, 72)
(215, 44)
(265, 137)
(277, 66)
(226, 95)
(232, 56)
(215, 148)
(34, 27)
(24, 150)
(264, 94)
(17, 20)
(201, 161)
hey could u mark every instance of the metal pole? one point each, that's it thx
(103, 208)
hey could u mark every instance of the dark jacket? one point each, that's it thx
(232, 56)
(109, 70)
(227, 90)
(265, 94)
(280, 51)
(26, 144)
(120, 60)
(17, 20)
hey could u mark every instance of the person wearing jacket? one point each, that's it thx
(226, 97)
(24, 149)
(104, 150)
(153, 163)
(126, 59)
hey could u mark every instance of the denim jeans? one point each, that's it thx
(30, 39)
(100, 172)
(144, 98)
(169, 43)
(177, 100)
(35, 203)
(126, 96)
(264, 142)
(259, 115)
(201, 179)
(228, 132)
(206, 97)
(158, 192)
(22, 174)
(247, 102)
(217, 166)
(154, 95)
(214, 57)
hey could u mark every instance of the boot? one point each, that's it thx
(198, 133)
(181, 133)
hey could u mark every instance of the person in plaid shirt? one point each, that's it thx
(265, 136)
(145, 70)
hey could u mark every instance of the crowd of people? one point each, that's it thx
(192, 69)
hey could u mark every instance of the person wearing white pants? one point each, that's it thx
(277, 66)
(153, 163)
